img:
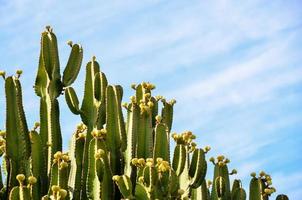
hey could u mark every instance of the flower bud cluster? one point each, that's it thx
(62, 159)
(148, 86)
(185, 138)
(138, 162)
(221, 161)
(162, 165)
(21, 178)
(58, 192)
(99, 154)
(100, 134)
(81, 131)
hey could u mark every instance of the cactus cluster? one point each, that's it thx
(109, 157)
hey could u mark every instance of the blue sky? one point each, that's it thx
(234, 68)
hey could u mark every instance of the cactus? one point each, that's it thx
(108, 158)
(48, 86)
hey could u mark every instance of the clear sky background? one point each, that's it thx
(234, 68)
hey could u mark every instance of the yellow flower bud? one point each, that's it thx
(20, 177)
(55, 188)
(134, 161)
(212, 159)
(253, 174)
(220, 158)
(2, 73)
(150, 104)
(159, 160)
(141, 161)
(69, 42)
(19, 72)
(32, 180)
(58, 155)
(262, 173)
(207, 149)
(63, 165)
(158, 118)
(115, 177)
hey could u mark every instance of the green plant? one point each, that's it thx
(108, 157)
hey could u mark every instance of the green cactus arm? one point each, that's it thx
(100, 169)
(256, 189)
(132, 132)
(41, 81)
(150, 177)
(167, 113)
(89, 115)
(54, 177)
(100, 95)
(50, 129)
(125, 185)
(76, 156)
(108, 189)
(89, 109)
(50, 60)
(184, 178)
(221, 170)
(100, 85)
(281, 197)
(200, 193)
(154, 110)
(17, 137)
(139, 93)
(93, 185)
(72, 100)
(145, 137)
(179, 159)
(198, 168)
(161, 142)
(235, 187)
(50, 54)
(113, 127)
(121, 121)
(37, 164)
(73, 65)
(63, 177)
(141, 192)
(240, 194)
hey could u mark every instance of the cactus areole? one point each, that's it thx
(111, 156)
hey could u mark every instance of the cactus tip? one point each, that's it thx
(2, 73)
(133, 86)
(69, 42)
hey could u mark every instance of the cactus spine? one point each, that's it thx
(108, 158)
